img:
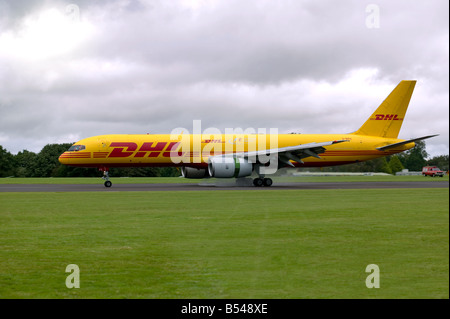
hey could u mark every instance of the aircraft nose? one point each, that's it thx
(62, 158)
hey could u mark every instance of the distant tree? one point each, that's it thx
(415, 161)
(25, 164)
(169, 172)
(135, 172)
(47, 163)
(441, 161)
(69, 171)
(7, 163)
(395, 165)
(376, 165)
(415, 158)
(385, 168)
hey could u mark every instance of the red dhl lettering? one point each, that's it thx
(118, 150)
(388, 117)
(148, 149)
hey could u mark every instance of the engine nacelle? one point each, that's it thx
(192, 172)
(226, 167)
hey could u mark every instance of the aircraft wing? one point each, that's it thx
(295, 153)
(386, 147)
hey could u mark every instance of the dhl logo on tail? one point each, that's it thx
(386, 117)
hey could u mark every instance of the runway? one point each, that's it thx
(212, 187)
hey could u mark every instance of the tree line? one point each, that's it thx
(46, 164)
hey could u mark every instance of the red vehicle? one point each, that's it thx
(432, 171)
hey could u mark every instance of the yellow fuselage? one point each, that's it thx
(106, 151)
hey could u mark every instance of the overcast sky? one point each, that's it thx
(70, 70)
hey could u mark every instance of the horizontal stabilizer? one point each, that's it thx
(383, 148)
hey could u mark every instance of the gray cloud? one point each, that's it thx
(151, 66)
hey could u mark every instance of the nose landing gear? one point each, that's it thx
(105, 171)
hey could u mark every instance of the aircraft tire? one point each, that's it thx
(258, 182)
(267, 182)
(108, 184)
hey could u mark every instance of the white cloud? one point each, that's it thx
(43, 35)
(149, 66)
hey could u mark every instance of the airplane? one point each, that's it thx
(242, 155)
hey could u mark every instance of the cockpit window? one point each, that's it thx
(76, 148)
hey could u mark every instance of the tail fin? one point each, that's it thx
(387, 120)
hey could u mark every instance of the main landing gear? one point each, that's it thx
(105, 171)
(259, 181)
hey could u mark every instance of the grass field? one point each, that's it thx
(226, 244)
(151, 180)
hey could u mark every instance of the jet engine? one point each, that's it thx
(225, 167)
(192, 172)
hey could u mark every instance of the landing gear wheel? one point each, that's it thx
(258, 182)
(267, 182)
(105, 176)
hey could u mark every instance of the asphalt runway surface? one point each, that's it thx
(202, 186)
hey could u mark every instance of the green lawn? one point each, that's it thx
(282, 179)
(226, 244)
